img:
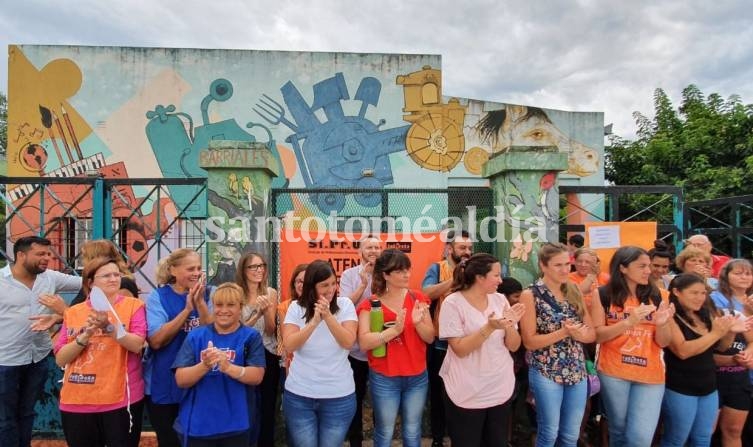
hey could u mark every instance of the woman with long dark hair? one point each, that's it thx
(691, 399)
(631, 319)
(320, 328)
(554, 328)
(480, 327)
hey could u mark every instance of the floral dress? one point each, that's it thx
(562, 362)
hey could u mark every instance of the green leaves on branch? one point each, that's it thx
(705, 146)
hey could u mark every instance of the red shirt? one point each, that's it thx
(717, 262)
(406, 353)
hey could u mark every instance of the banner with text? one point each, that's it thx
(342, 252)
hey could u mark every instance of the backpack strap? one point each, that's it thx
(546, 298)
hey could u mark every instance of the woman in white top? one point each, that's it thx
(319, 399)
(480, 328)
(259, 311)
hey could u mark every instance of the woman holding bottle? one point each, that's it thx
(397, 377)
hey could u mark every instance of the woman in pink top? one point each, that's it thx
(102, 398)
(480, 328)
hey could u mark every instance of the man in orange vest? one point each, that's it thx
(436, 285)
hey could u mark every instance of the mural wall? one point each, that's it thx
(330, 119)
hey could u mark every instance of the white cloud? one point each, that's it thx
(586, 55)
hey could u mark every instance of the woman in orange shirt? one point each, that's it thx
(631, 319)
(588, 275)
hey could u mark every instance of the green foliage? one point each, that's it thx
(705, 146)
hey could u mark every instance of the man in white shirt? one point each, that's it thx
(355, 283)
(23, 348)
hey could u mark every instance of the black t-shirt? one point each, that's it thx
(694, 376)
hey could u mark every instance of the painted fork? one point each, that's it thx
(273, 112)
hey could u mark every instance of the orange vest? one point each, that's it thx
(632, 355)
(601, 280)
(98, 375)
(445, 273)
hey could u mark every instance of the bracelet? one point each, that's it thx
(242, 373)
(483, 334)
(381, 337)
(80, 343)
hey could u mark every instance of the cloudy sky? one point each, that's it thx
(582, 55)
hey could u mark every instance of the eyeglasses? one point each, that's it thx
(114, 275)
(256, 267)
(298, 281)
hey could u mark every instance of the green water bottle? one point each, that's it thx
(376, 324)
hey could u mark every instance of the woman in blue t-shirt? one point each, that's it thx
(175, 308)
(220, 364)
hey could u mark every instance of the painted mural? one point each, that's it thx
(338, 120)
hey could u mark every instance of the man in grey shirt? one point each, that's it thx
(23, 349)
(355, 283)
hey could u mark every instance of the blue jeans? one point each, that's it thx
(390, 394)
(632, 410)
(317, 422)
(688, 419)
(20, 387)
(559, 410)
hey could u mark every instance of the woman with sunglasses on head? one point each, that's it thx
(554, 328)
(632, 322)
(398, 380)
(179, 305)
(259, 311)
(320, 328)
(480, 327)
(102, 398)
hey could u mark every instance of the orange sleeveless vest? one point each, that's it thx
(98, 375)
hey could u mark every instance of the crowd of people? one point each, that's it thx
(670, 337)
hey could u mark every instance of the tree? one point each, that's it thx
(3, 123)
(705, 146)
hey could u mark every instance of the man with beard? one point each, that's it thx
(25, 344)
(436, 285)
(355, 283)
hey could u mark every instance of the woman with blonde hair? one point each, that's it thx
(587, 275)
(259, 311)
(218, 365)
(554, 328)
(694, 260)
(101, 401)
(179, 305)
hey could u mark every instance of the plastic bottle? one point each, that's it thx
(376, 324)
